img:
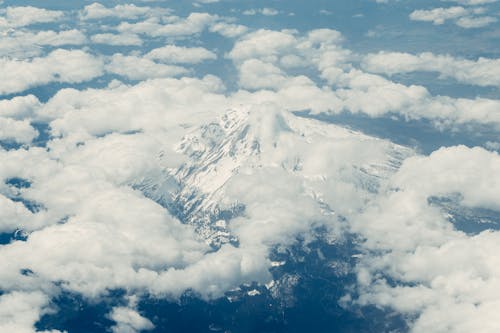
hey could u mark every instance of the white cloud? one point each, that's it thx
(117, 39)
(228, 30)
(179, 54)
(129, 321)
(23, 16)
(262, 43)
(361, 89)
(177, 27)
(255, 74)
(353, 90)
(472, 2)
(109, 141)
(16, 130)
(442, 277)
(114, 150)
(19, 311)
(445, 175)
(438, 15)
(475, 22)
(269, 11)
(263, 11)
(320, 46)
(464, 17)
(93, 111)
(112, 223)
(14, 215)
(19, 107)
(138, 68)
(483, 71)
(195, 23)
(492, 145)
(324, 36)
(250, 12)
(96, 11)
(149, 26)
(199, 3)
(65, 37)
(22, 44)
(58, 66)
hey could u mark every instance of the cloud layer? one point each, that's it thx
(156, 151)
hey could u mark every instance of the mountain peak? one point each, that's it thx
(244, 131)
(264, 140)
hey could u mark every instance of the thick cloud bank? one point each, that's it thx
(157, 151)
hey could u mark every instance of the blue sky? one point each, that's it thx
(158, 151)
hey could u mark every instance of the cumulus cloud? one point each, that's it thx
(195, 23)
(262, 43)
(19, 107)
(138, 68)
(19, 311)
(321, 47)
(129, 321)
(264, 11)
(208, 1)
(353, 90)
(22, 44)
(14, 215)
(179, 54)
(12, 17)
(492, 145)
(438, 15)
(16, 130)
(438, 272)
(120, 156)
(264, 57)
(472, 2)
(255, 74)
(483, 71)
(475, 22)
(88, 184)
(177, 27)
(96, 11)
(58, 66)
(117, 39)
(228, 30)
(94, 110)
(464, 17)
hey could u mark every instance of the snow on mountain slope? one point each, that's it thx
(255, 156)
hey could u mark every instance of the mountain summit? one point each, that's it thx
(265, 147)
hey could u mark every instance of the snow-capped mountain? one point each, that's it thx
(262, 139)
